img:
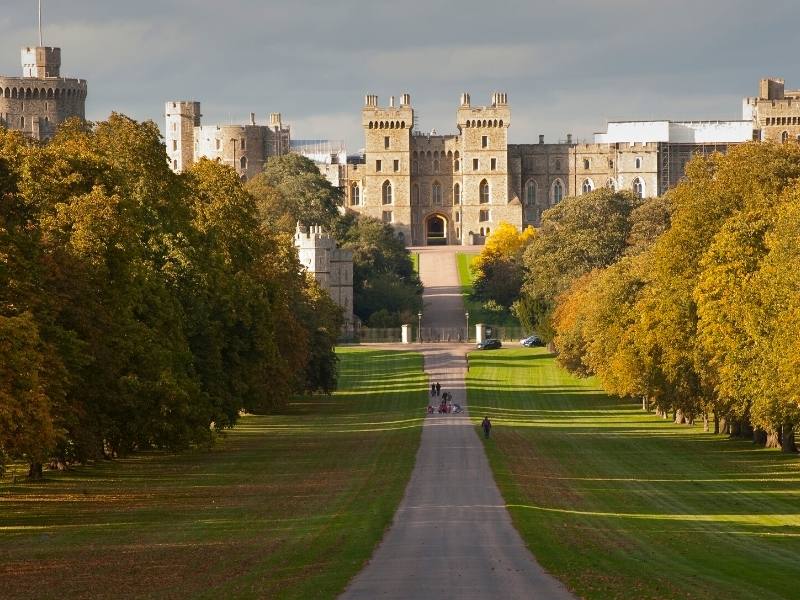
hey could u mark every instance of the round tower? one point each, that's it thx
(39, 101)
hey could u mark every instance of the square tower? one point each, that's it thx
(41, 62)
(484, 165)
(384, 186)
(181, 119)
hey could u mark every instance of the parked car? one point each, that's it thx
(491, 344)
(531, 341)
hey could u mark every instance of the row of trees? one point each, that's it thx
(690, 302)
(140, 308)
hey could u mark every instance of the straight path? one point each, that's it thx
(452, 536)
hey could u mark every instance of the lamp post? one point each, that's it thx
(466, 314)
(419, 327)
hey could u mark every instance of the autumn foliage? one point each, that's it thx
(140, 308)
(703, 322)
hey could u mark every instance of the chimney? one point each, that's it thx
(541, 138)
(569, 138)
(391, 101)
(405, 100)
(252, 118)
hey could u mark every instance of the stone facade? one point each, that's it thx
(435, 189)
(39, 101)
(332, 267)
(453, 189)
(246, 148)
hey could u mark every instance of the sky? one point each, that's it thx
(568, 66)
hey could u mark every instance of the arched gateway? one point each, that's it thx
(436, 230)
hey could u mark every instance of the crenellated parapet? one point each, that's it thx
(39, 101)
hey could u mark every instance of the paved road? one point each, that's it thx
(452, 536)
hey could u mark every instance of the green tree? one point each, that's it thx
(498, 268)
(383, 273)
(291, 190)
(577, 235)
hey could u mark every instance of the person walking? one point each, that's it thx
(487, 427)
(438, 388)
(433, 390)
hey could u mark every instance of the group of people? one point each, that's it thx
(447, 406)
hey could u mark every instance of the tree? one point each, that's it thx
(577, 235)
(26, 422)
(498, 268)
(383, 274)
(291, 190)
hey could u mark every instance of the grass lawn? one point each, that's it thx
(415, 261)
(618, 503)
(286, 506)
(477, 314)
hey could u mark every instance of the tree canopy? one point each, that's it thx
(140, 308)
(701, 318)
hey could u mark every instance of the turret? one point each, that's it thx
(181, 119)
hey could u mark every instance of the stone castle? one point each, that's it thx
(453, 189)
(246, 148)
(434, 189)
(39, 101)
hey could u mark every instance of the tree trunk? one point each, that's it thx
(735, 428)
(645, 404)
(773, 439)
(716, 423)
(787, 438)
(705, 422)
(678, 417)
(35, 471)
(759, 437)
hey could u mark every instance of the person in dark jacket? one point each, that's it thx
(438, 388)
(487, 427)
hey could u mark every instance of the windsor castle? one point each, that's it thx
(433, 189)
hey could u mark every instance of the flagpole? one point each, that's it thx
(41, 38)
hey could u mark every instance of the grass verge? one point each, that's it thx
(286, 506)
(620, 504)
(415, 261)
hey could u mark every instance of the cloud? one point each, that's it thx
(567, 66)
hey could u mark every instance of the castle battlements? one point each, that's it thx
(37, 102)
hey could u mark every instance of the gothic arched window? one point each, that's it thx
(587, 186)
(355, 195)
(386, 195)
(436, 194)
(638, 188)
(484, 192)
(530, 193)
(558, 191)
(456, 194)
